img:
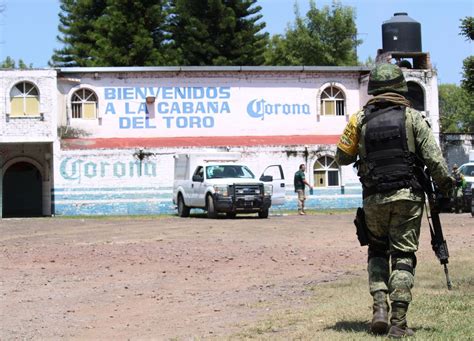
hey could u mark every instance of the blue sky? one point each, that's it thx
(28, 28)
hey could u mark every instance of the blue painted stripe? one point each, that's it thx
(158, 200)
(127, 208)
(108, 189)
(166, 206)
(114, 196)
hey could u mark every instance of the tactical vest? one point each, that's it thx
(388, 163)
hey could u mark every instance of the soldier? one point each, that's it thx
(457, 198)
(390, 143)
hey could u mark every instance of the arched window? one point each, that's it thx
(84, 104)
(24, 100)
(332, 102)
(326, 172)
(416, 96)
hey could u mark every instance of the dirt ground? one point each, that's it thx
(170, 277)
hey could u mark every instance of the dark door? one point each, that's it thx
(22, 191)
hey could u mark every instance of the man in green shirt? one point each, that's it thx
(300, 183)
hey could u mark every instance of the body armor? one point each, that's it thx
(388, 163)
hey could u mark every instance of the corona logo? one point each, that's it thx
(259, 108)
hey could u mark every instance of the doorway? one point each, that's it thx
(22, 191)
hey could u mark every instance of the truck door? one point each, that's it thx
(200, 190)
(196, 183)
(279, 189)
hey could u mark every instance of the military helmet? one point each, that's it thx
(455, 166)
(386, 78)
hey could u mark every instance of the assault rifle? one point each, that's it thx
(438, 243)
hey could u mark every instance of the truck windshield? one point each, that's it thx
(228, 171)
(467, 170)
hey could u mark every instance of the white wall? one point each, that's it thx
(29, 129)
(258, 104)
(100, 182)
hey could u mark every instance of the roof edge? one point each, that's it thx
(301, 68)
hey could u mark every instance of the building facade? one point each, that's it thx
(97, 141)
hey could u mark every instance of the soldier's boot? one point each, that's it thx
(398, 321)
(379, 323)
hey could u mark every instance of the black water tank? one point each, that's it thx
(401, 33)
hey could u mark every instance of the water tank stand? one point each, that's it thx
(419, 60)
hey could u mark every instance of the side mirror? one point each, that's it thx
(266, 178)
(197, 178)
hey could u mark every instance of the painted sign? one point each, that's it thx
(207, 109)
(78, 170)
(175, 107)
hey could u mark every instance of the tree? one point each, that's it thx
(456, 109)
(76, 27)
(468, 74)
(130, 33)
(9, 63)
(467, 30)
(218, 32)
(324, 36)
(159, 32)
(111, 33)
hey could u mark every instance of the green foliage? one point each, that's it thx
(76, 27)
(217, 32)
(111, 33)
(159, 32)
(370, 62)
(326, 36)
(467, 28)
(9, 63)
(130, 33)
(468, 75)
(456, 108)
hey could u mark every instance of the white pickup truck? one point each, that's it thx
(217, 182)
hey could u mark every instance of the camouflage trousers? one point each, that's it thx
(394, 229)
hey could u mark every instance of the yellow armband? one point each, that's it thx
(350, 138)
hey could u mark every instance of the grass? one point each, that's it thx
(341, 310)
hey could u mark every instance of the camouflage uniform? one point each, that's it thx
(393, 217)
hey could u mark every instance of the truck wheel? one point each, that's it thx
(211, 210)
(183, 210)
(230, 215)
(263, 213)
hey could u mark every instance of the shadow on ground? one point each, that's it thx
(350, 326)
(364, 327)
